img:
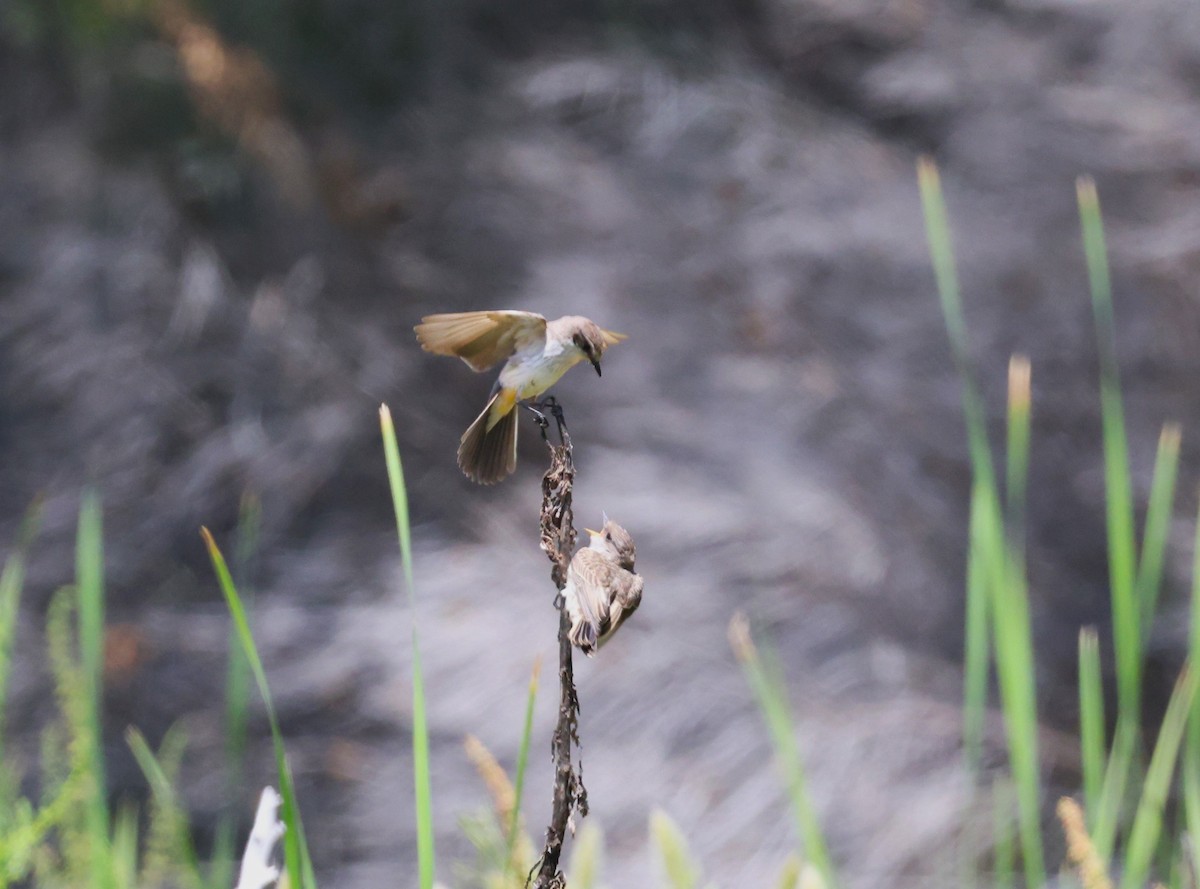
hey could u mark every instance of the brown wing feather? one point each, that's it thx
(480, 338)
(593, 574)
(626, 601)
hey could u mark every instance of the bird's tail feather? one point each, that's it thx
(488, 455)
(583, 636)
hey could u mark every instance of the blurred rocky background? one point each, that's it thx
(220, 220)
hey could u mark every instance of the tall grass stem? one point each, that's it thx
(422, 789)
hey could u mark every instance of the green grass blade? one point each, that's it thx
(789, 877)
(12, 580)
(1017, 673)
(238, 669)
(937, 230)
(89, 584)
(1017, 679)
(1122, 547)
(1014, 645)
(1091, 721)
(975, 654)
(1191, 804)
(1158, 523)
(522, 761)
(1147, 822)
(1112, 794)
(1002, 825)
(678, 865)
(125, 846)
(296, 855)
(1191, 759)
(422, 789)
(586, 853)
(1017, 452)
(771, 696)
(168, 806)
(1002, 567)
(237, 698)
(395, 470)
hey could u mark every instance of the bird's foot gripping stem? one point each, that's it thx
(549, 405)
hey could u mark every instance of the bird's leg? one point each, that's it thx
(543, 423)
(550, 405)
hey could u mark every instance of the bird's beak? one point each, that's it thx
(591, 532)
(596, 364)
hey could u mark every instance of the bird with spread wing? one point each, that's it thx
(536, 353)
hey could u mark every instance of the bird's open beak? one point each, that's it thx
(596, 364)
(593, 533)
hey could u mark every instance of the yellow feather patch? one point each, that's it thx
(504, 402)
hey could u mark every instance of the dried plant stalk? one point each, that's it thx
(558, 542)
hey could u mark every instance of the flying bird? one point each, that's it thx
(602, 590)
(535, 352)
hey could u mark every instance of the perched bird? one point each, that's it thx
(536, 353)
(602, 590)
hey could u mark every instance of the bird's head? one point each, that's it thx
(615, 542)
(590, 339)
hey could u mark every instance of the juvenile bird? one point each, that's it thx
(602, 590)
(536, 353)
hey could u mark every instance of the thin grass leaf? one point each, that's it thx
(1112, 793)
(1158, 523)
(789, 877)
(678, 865)
(12, 579)
(975, 654)
(1147, 822)
(297, 861)
(422, 789)
(125, 845)
(1174, 870)
(771, 694)
(237, 697)
(586, 853)
(1122, 546)
(238, 669)
(1003, 572)
(937, 230)
(1017, 678)
(1191, 759)
(1017, 453)
(168, 818)
(66, 751)
(1091, 721)
(89, 585)
(1178, 868)
(1004, 842)
(522, 761)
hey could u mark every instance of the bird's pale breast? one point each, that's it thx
(531, 372)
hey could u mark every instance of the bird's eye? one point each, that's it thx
(608, 536)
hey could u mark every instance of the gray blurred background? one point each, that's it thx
(219, 222)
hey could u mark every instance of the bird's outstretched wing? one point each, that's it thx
(627, 588)
(480, 338)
